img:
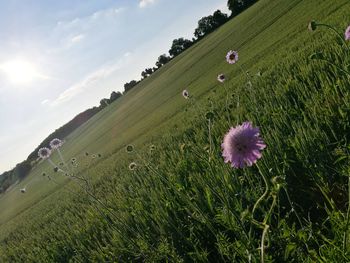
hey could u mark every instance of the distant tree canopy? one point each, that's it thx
(129, 85)
(238, 6)
(179, 45)
(114, 96)
(208, 24)
(162, 60)
(104, 102)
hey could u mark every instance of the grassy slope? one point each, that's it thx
(265, 34)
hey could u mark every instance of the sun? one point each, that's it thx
(20, 71)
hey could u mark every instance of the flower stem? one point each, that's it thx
(345, 237)
(263, 196)
(337, 33)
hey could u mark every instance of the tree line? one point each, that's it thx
(205, 26)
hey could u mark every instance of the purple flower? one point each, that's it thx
(347, 33)
(185, 94)
(44, 153)
(242, 145)
(56, 143)
(221, 78)
(232, 57)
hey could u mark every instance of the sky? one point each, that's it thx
(59, 58)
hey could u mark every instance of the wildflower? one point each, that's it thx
(312, 26)
(232, 57)
(242, 145)
(56, 143)
(44, 174)
(74, 160)
(185, 94)
(221, 78)
(86, 153)
(23, 190)
(132, 166)
(99, 155)
(249, 84)
(93, 156)
(44, 153)
(152, 148)
(129, 148)
(347, 33)
(55, 169)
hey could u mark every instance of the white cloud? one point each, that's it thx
(88, 20)
(77, 38)
(90, 80)
(45, 101)
(144, 3)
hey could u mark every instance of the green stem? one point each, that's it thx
(345, 237)
(266, 228)
(263, 196)
(336, 32)
(210, 143)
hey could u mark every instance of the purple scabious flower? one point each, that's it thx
(242, 145)
(44, 153)
(56, 143)
(185, 94)
(347, 33)
(221, 78)
(232, 57)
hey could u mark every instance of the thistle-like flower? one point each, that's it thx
(347, 33)
(129, 148)
(232, 57)
(185, 94)
(221, 78)
(242, 145)
(312, 26)
(56, 143)
(44, 153)
(132, 166)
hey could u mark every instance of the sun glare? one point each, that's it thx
(20, 71)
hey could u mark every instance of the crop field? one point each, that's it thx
(151, 183)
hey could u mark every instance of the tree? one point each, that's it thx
(205, 26)
(179, 45)
(162, 60)
(238, 6)
(129, 85)
(208, 24)
(147, 72)
(114, 96)
(104, 103)
(144, 74)
(219, 18)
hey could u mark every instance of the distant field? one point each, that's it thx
(293, 102)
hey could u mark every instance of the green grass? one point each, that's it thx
(183, 203)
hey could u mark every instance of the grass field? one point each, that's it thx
(183, 203)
